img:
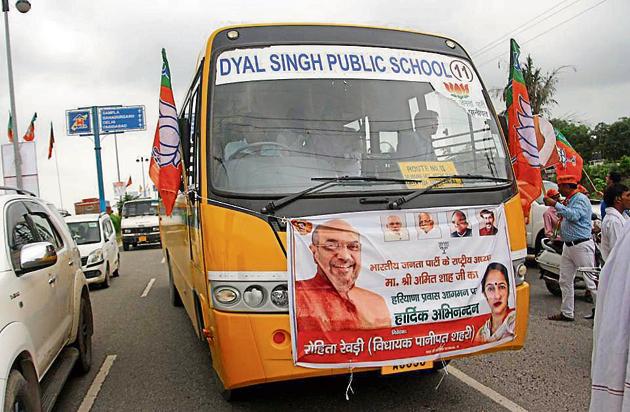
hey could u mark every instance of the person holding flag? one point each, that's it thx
(522, 142)
(579, 248)
(165, 155)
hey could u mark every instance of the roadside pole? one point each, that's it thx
(116, 146)
(99, 166)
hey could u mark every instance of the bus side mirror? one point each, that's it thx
(184, 133)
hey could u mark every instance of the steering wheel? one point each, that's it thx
(258, 147)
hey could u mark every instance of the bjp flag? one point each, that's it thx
(51, 141)
(522, 141)
(167, 155)
(29, 136)
(570, 162)
(154, 169)
(10, 128)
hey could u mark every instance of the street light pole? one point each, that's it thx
(143, 159)
(23, 8)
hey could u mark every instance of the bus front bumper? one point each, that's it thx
(244, 352)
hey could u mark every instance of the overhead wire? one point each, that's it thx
(489, 46)
(545, 32)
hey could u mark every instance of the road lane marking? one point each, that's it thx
(495, 396)
(148, 288)
(95, 388)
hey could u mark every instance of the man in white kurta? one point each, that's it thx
(617, 197)
(610, 370)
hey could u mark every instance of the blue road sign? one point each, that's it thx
(121, 119)
(79, 122)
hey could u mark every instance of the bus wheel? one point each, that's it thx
(227, 394)
(174, 297)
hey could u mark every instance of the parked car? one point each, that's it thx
(140, 223)
(45, 310)
(96, 238)
(536, 228)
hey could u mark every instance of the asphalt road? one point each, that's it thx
(160, 365)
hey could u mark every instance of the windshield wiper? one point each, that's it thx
(326, 181)
(404, 199)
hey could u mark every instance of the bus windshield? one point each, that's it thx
(271, 136)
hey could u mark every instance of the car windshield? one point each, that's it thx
(270, 136)
(148, 208)
(85, 232)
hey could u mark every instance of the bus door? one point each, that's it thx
(191, 152)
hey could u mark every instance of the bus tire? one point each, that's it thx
(174, 297)
(17, 396)
(227, 394)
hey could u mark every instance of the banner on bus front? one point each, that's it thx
(392, 287)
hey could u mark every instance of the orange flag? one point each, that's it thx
(522, 135)
(29, 136)
(167, 156)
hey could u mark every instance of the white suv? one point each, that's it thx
(96, 239)
(45, 310)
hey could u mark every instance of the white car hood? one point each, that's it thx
(140, 221)
(88, 248)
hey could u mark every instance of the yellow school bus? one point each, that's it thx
(287, 120)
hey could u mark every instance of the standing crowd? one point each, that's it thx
(569, 222)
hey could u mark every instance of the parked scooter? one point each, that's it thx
(549, 264)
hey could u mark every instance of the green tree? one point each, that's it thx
(541, 87)
(580, 136)
(614, 139)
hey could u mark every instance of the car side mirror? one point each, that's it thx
(38, 255)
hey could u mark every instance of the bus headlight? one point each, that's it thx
(226, 295)
(254, 296)
(280, 296)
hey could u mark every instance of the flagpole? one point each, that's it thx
(58, 179)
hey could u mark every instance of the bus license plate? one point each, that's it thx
(142, 238)
(408, 367)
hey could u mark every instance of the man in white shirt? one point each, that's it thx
(617, 197)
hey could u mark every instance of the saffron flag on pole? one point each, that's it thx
(10, 128)
(168, 157)
(522, 141)
(128, 182)
(29, 136)
(154, 169)
(570, 162)
(51, 141)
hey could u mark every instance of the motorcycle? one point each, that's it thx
(549, 264)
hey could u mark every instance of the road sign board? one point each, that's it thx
(78, 122)
(121, 119)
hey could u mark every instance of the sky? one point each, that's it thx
(69, 53)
